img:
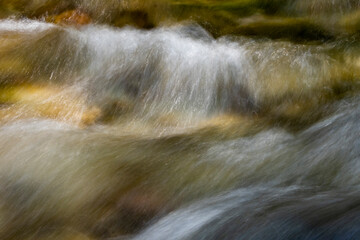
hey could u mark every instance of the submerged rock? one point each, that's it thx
(27, 101)
(66, 234)
(113, 110)
(350, 23)
(136, 18)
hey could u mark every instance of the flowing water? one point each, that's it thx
(170, 133)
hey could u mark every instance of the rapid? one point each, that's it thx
(173, 132)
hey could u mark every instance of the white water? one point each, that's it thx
(233, 173)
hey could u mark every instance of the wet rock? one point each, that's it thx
(136, 18)
(297, 29)
(320, 7)
(272, 19)
(71, 17)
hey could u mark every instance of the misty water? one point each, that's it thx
(174, 132)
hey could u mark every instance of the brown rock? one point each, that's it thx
(71, 17)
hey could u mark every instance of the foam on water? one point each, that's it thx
(24, 26)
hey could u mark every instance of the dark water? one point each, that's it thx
(180, 131)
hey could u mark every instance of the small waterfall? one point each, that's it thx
(212, 120)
